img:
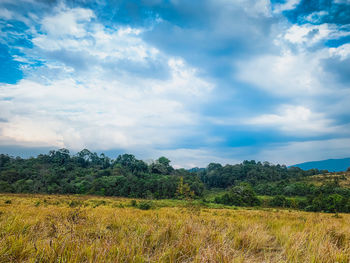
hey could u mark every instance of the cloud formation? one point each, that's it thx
(95, 87)
(216, 81)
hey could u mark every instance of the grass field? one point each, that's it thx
(52, 228)
(342, 177)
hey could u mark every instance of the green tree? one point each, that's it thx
(241, 195)
(183, 190)
(162, 166)
(279, 201)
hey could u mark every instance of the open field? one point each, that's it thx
(52, 228)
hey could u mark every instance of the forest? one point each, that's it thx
(244, 184)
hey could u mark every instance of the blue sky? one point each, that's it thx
(196, 81)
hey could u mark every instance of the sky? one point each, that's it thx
(195, 81)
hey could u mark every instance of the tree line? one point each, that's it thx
(89, 173)
(86, 172)
(249, 179)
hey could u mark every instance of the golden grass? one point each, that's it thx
(319, 179)
(39, 228)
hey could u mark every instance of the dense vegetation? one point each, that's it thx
(240, 195)
(279, 182)
(88, 173)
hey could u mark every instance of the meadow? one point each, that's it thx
(61, 228)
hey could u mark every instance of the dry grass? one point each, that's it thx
(319, 179)
(91, 229)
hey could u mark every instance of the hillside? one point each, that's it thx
(342, 178)
(332, 165)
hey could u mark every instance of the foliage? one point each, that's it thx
(145, 205)
(241, 195)
(133, 203)
(218, 176)
(279, 201)
(184, 190)
(86, 172)
(329, 203)
(90, 173)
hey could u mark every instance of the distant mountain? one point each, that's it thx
(332, 165)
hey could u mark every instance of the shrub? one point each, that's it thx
(241, 195)
(279, 201)
(332, 203)
(302, 204)
(74, 203)
(145, 205)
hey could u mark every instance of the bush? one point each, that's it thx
(145, 205)
(336, 203)
(279, 201)
(74, 203)
(133, 203)
(331, 203)
(5, 187)
(302, 204)
(241, 195)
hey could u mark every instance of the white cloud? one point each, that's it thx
(67, 22)
(96, 113)
(297, 34)
(342, 51)
(288, 5)
(106, 88)
(298, 120)
(5, 14)
(286, 74)
(316, 17)
(103, 104)
(300, 76)
(309, 34)
(30, 132)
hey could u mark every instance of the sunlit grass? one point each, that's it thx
(52, 228)
(343, 178)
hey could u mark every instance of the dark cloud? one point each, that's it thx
(211, 36)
